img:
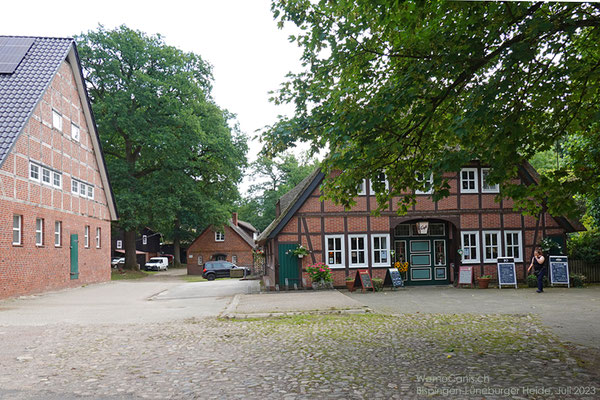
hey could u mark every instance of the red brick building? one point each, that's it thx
(234, 243)
(429, 236)
(55, 198)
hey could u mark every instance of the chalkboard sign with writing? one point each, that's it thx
(465, 276)
(507, 274)
(559, 270)
(363, 279)
(393, 278)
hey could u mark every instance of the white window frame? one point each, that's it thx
(219, 236)
(98, 237)
(57, 233)
(492, 189)
(119, 244)
(46, 173)
(57, 120)
(35, 169)
(200, 260)
(362, 188)
(486, 245)
(234, 259)
(363, 250)
(86, 236)
(90, 192)
(144, 239)
(39, 231)
(387, 184)
(474, 180)
(374, 250)
(75, 132)
(435, 263)
(477, 247)
(75, 187)
(429, 180)
(342, 250)
(57, 183)
(519, 245)
(18, 229)
(82, 189)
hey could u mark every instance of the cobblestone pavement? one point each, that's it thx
(368, 356)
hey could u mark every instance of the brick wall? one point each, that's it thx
(233, 245)
(29, 268)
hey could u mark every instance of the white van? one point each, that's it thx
(157, 264)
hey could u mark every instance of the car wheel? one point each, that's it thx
(210, 277)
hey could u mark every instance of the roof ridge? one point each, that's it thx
(37, 37)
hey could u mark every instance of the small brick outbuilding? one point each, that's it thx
(56, 203)
(234, 243)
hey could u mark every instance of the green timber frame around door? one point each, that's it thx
(288, 265)
(74, 257)
(427, 255)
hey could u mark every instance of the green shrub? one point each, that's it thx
(377, 284)
(532, 281)
(585, 246)
(577, 280)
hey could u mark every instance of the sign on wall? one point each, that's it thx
(559, 270)
(507, 274)
(465, 275)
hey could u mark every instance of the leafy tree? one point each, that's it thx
(166, 143)
(277, 176)
(411, 88)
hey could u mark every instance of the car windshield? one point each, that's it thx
(153, 260)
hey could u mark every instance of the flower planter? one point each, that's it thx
(300, 255)
(483, 283)
(350, 285)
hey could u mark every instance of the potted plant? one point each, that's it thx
(402, 268)
(350, 283)
(320, 275)
(484, 281)
(299, 251)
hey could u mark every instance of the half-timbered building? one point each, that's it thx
(472, 226)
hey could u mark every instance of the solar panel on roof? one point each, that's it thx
(12, 51)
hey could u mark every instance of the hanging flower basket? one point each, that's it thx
(299, 251)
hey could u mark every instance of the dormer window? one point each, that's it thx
(219, 237)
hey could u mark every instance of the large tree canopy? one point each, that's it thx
(169, 149)
(412, 88)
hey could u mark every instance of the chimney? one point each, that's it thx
(234, 219)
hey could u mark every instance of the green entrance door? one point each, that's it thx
(74, 257)
(288, 266)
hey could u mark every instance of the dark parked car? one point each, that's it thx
(220, 269)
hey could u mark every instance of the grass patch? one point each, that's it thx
(193, 278)
(128, 274)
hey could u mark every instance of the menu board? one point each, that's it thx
(507, 274)
(393, 278)
(559, 270)
(465, 276)
(363, 279)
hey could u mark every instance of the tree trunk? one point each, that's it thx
(130, 250)
(176, 244)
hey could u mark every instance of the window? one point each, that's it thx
(485, 187)
(358, 250)
(17, 223)
(75, 132)
(39, 232)
(57, 179)
(90, 192)
(98, 237)
(57, 233)
(439, 246)
(491, 246)
(86, 236)
(362, 188)
(468, 180)
(46, 175)
(119, 244)
(382, 179)
(57, 120)
(74, 186)
(402, 230)
(334, 248)
(34, 172)
(381, 251)
(512, 245)
(219, 237)
(427, 182)
(144, 239)
(82, 189)
(400, 247)
(234, 259)
(470, 247)
(199, 260)
(436, 229)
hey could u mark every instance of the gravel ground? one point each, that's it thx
(344, 356)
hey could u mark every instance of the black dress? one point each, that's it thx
(540, 271)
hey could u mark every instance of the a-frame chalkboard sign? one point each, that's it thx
(363, 280)
(507, 275)
(465, 275)
(559, 270)
(393, 278)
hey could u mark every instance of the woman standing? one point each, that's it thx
(538, 263)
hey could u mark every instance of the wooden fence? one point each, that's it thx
(590, 270)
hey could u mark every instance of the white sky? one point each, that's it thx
(249, 54)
